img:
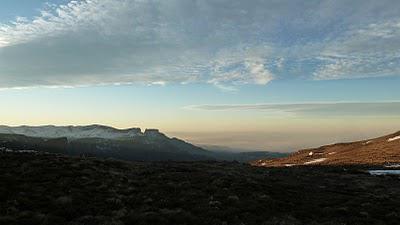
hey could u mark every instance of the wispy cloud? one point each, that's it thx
(312, 108)
(224, 43)
(370, 51)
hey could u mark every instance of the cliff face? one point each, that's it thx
(377, 151)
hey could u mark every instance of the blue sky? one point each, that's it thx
(11, 9)
(204, 69)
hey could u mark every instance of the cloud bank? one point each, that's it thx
(220, 42)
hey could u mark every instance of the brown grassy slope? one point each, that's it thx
(378, 151)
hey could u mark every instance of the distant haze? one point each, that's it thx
(280, 141)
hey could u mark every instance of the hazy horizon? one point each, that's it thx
(275, 141)
(252, 75)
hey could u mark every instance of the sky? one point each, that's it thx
(254, 75)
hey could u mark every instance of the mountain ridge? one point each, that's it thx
(73, 132)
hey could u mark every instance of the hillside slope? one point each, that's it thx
(378, 151)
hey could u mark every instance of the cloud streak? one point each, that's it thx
(224, 43)
(317, 108)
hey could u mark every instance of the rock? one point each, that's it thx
(170, 211)
(392, 215)
(12, 210)
(264, 196)
(286, 220)
(120, 213)
(114, 202)
(148, 200)
(214, 203)
(343, 210)
(26, 214)
(233, 198)
(7, 220)
(87, 219)
(64, 200)
(52, 219)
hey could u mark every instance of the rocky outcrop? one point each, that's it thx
(153, 133)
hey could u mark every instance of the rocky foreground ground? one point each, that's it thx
(55, 190)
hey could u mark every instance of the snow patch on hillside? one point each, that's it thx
(393, 166)
(6, 150)
(315, 161)
(394, 138)
(367, 143)
(384, 172)
(289, 165)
